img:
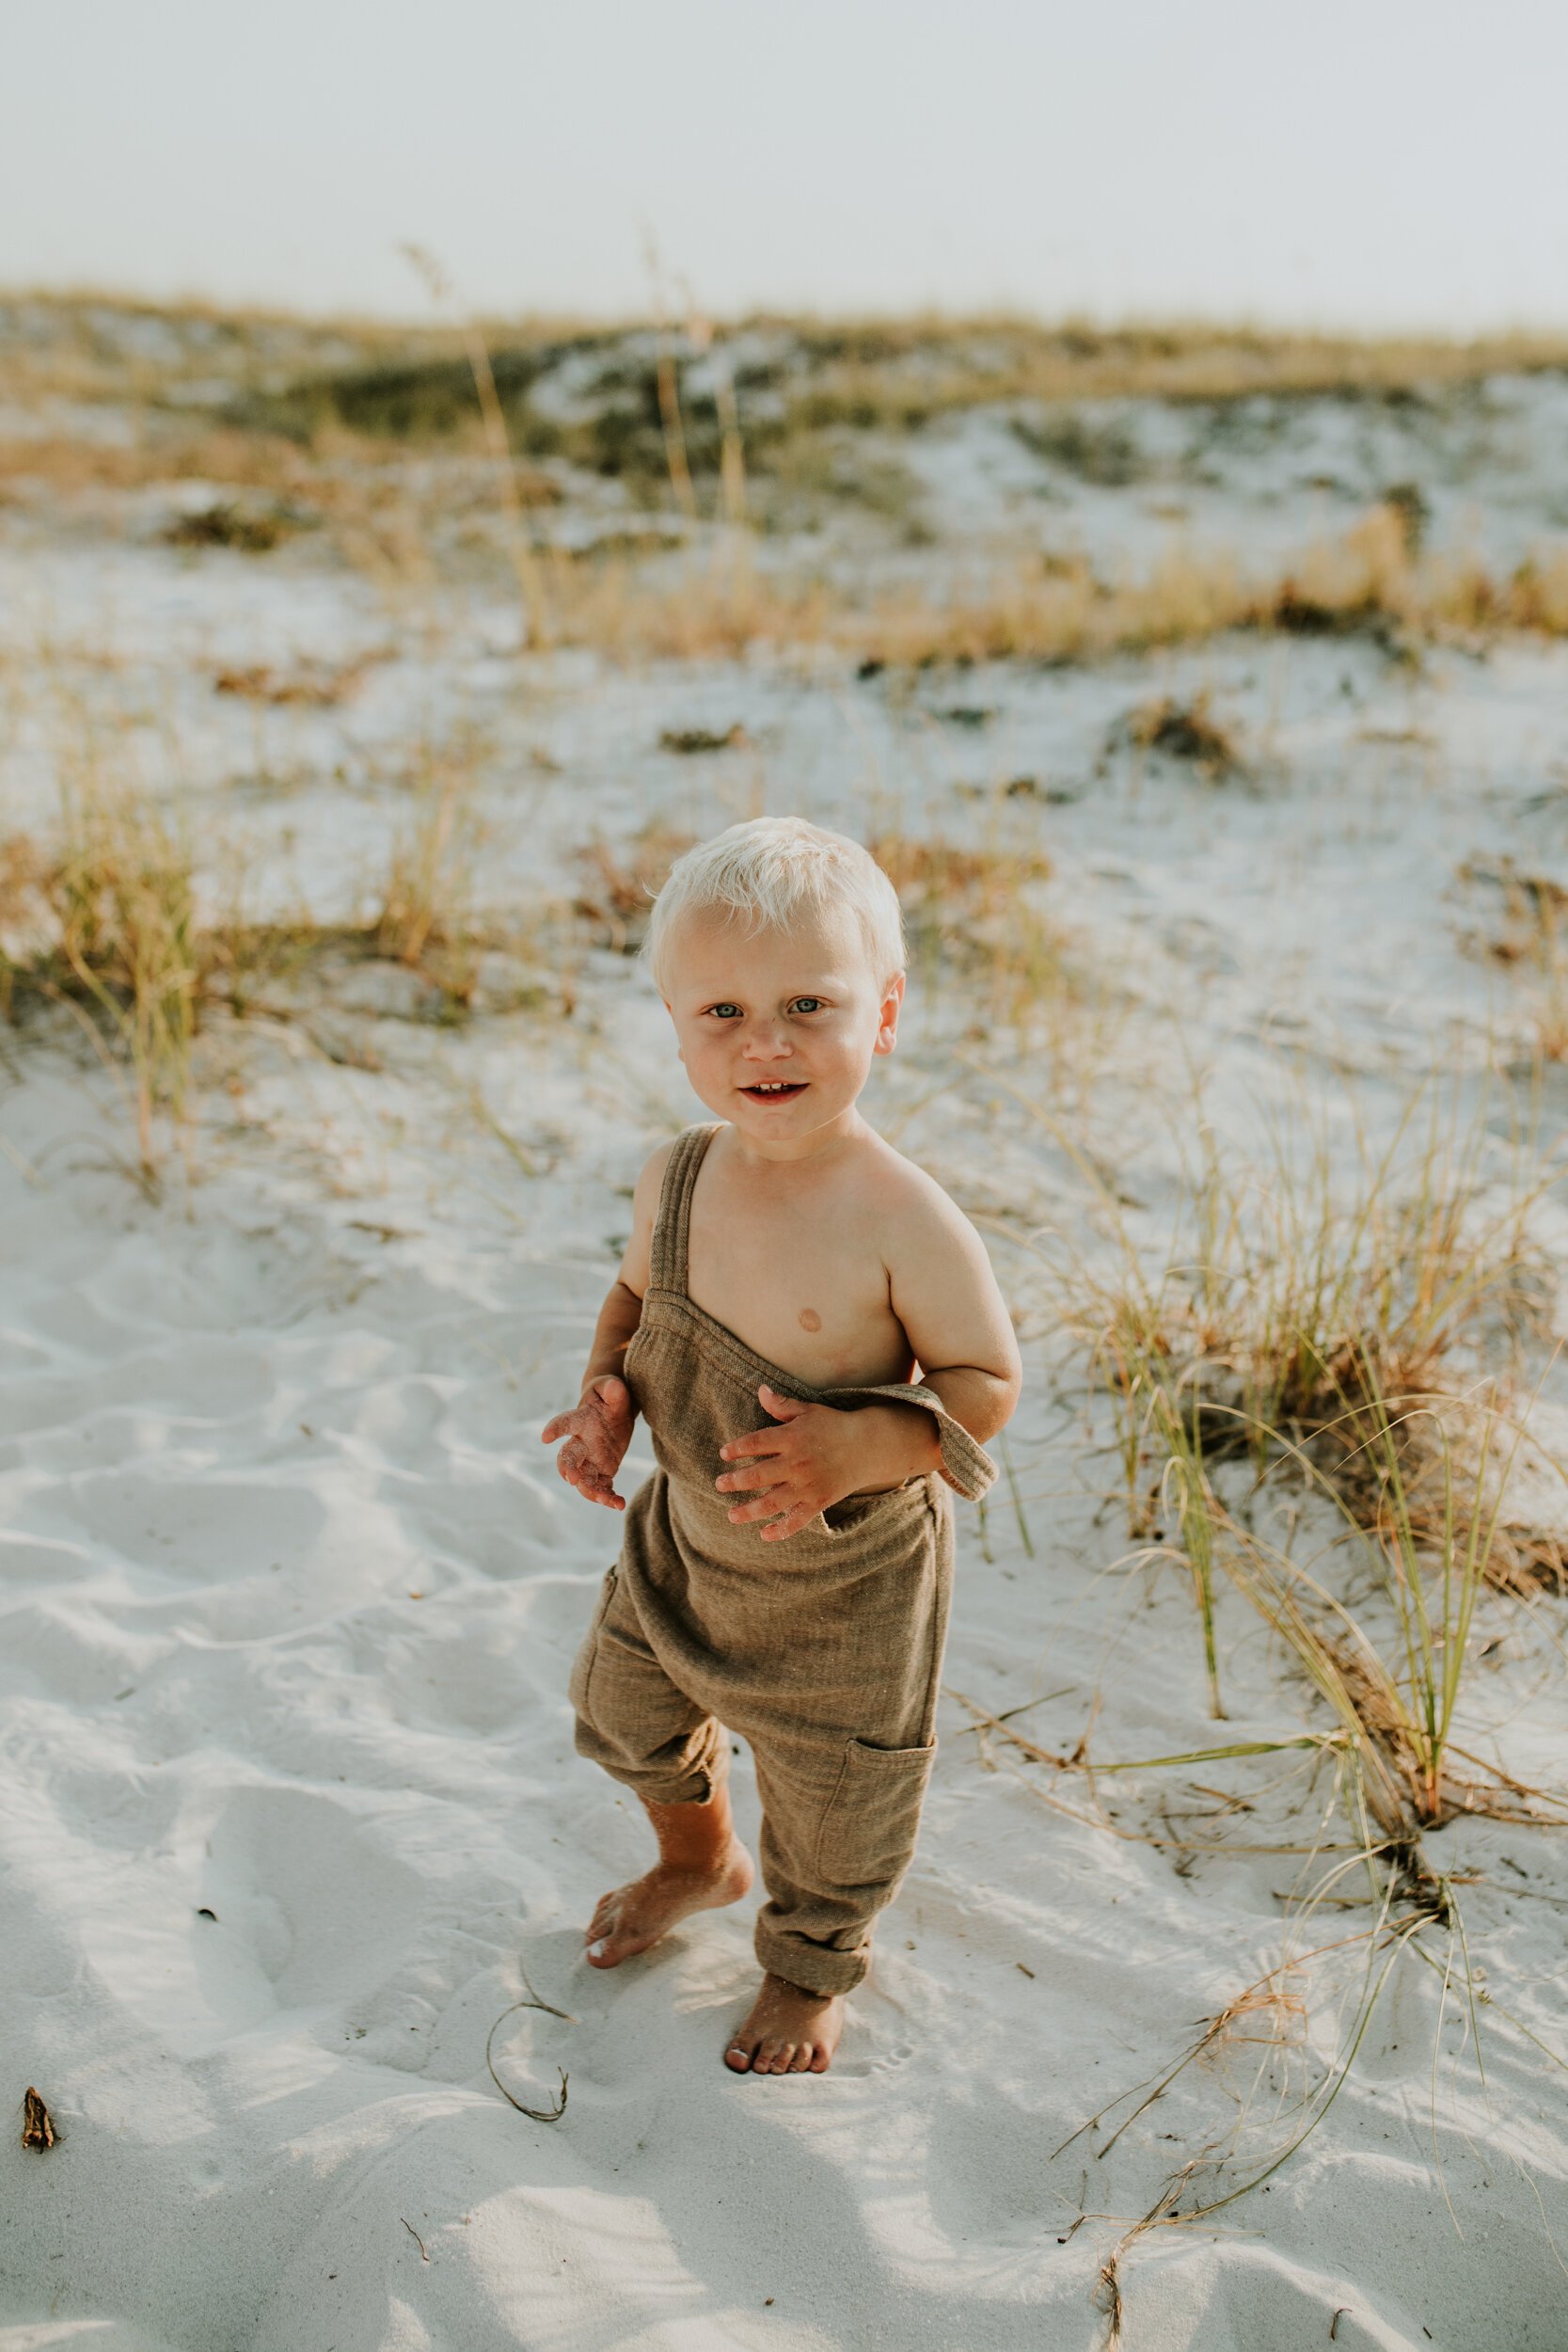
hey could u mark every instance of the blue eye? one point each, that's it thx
(807, 1004)
(725, 1012)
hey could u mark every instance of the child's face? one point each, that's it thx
(778, 1028)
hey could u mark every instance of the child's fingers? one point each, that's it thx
(591, 1484)
(765, 1441)
(764, 1474)
(781, 1407)
(555, 1428)
(791, 1524)
(766, 1507)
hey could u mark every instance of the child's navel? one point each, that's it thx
(810, 1319)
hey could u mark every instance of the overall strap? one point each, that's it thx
(673, 1223)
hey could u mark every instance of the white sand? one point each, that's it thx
(290, 1591)
(240, 1443)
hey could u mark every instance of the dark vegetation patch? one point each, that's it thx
(1408, 502)
(410, 400)
(1297, 612)
(313, 687)
(1187, 731)
(1104, 454)
(619, 428)
(689, 740)
(251, 530)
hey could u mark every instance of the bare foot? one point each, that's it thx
(789, 2032)
(632, 1917)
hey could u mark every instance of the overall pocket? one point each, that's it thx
(588, 1649)
(870, 1822)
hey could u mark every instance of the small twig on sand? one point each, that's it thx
(415, 2236)
(1111, 2283)
(535, 2115)
(987, 1721)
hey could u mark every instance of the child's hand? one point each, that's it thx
(597, 1434)
(818, 1455)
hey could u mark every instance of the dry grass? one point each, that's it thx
(1293, 1287)
(899, 373)
(107, 925)
(235, 460)
(1530, 941)
(310, 687)
(866, 371)
(425, 920)
(1368, 583)
(713, 608)
(620, 885)
(718, 601)
(1335, 1329)
(973, 916)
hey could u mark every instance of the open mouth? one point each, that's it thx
(774, 1090)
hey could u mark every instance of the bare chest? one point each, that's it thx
(803, 1286)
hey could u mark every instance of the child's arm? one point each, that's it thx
(942, 1291)
(598, 1429)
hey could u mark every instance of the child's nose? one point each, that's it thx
(766, 1040)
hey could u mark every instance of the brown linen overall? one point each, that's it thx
(823, 1652)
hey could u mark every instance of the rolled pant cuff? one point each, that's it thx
(693, 1788)
(815, 1968)
(692, 1783)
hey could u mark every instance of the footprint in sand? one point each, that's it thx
(332, 1909)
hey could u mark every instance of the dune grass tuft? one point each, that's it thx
(1351, 1332)
(106, 925)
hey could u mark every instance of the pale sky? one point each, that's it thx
(1376, 163)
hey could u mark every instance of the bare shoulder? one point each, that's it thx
(637, 1262)
(650, 1181)
(917, 1211)
(941, 1283)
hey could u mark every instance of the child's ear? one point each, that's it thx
(887, 1026)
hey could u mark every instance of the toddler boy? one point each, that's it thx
(788, 1581)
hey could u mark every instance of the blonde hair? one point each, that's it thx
(766, 873)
